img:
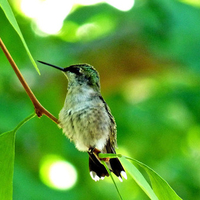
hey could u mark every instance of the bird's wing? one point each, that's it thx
(113, 127)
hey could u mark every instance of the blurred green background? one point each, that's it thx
(148, 57)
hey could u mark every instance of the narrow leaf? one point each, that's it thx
(138, 177)
(161, 188)
(11, 18)
(7, 153)
(7, 146)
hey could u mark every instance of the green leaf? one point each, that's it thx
(11, 18)
(7, 154)
(138, 177)
(161, 188)
(7, 146)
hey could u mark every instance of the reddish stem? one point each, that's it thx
(39, 109)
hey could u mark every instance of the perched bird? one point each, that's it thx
(87, 121)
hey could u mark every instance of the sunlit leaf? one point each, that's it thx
(11, 18)
(161, 188)
(139, 178)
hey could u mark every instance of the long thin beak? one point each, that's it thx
(60, 68)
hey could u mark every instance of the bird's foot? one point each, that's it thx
(95, 151)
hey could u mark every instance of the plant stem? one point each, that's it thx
(39, 109)
(24, 121)
(109, 172)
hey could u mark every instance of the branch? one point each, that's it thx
(39, 109)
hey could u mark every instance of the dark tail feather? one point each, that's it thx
(97, 169)
(115, 164)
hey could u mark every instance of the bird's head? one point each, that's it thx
(80, 75)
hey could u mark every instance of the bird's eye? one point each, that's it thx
(77, 70)
(80, 70)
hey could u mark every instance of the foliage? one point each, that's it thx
(7, 149)
(160, 187)
(7, 164)
(10, 16)
(149, 67)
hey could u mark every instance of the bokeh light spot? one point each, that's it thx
(57, 173)
(124, 5)
(192, 2)
(49, 15)
(139, 90)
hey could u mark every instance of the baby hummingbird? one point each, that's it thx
(87, 121)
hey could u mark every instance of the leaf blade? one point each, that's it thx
(138, 177)
(7, 146)
(11, 18)
(161, 188)
(7, 154)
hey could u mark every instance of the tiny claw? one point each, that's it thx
(96, 152)
(105, 159)
(93, 150)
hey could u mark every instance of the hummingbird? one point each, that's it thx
(87, 121)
